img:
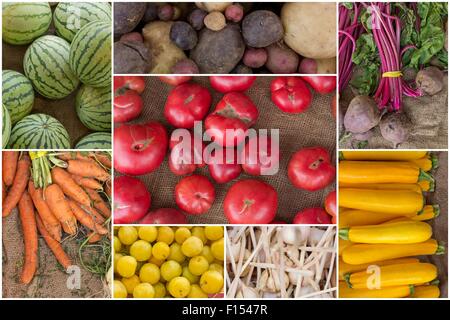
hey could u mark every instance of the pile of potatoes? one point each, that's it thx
(224, 37)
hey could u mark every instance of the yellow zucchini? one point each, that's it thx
(389, 292)
(427, 163)
(384, 186)
(345, 268)
(343, 244)
(394, 275)
(394, 232)
(386, 201)
(368, 253)
(429, 292)
(429, 212)
(382, 155)
(351, 218)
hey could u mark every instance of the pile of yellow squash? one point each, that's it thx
(382, 225)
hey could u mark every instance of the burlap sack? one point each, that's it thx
(315, 127)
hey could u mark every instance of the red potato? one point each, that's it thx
(281, 59)
(185, 66)
(234, 12)
(166, 12)
(307, 66)
(164, 216)
(312, 216)
(195, 194)
(321, 84)
(132, 36)
(225, 84)
(264, 161)
(175, 80)
(255, 57)
(290, 94)
(131, 200)
(221, 169)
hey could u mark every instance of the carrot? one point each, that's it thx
(54, 245)
(18, 186)
(3, 191)
(48, 218)
(98, 218)
(70, 188)
(60, 208)
(103, 159)
(9, 160)
(30, 239)
(66, 156)
(99, 203)
(86, 219)
(94, 237)
(108, 188)
(87, 182)
(88, 169)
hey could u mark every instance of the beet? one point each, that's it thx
(430, 80)
(362, 115)
(395, 127)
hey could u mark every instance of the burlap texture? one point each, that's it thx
(315, 127)
(428, 115)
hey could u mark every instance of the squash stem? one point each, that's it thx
(347, 279)
(440, 249)
(436, 210)
(343, 233)
(423, 176)
(411, 290)
(434, 161)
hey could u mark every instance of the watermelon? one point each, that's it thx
(17, 93)
(93, 107)
(46, 64)
(96, 140)
(69, 17)
(6, 126)
(23, 22)
(39, 131)
(90, 54)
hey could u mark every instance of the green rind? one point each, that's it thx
(93, 106)
(6, 126)
(39, 131)
(46, 64)
(90, 54)
(17, 94)
(23, 22)
(95, 141)
(70, 17)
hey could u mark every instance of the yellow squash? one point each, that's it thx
(429, 292)
(384, 186)
(368, 253)
(386, 201)
(351, 218)
(382, 155)
(426, 163)
(343, 244)
(395, 232)
(345, 268)
(389, 292)
(429, 212)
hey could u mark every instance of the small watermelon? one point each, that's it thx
(17, 94)
(6, 126)
(93, 107)
(39, 131)
(95, 141)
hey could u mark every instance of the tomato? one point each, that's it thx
(131, 200)
(290, 94)
(175, 80)
(122, 83)
(311, 169)
(195, 194)
(164, 216)
(139, 148)
(250, 202)
(330, 204)
(227, 125)
(127, 101)
(261, 161)
(185, 157)
(312, 216)
(221, 169)
(227, 84)
(321, 84)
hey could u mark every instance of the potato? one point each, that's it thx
(362, 115)
(234, 13)
(131, 57)
(215, 21)
(255, 58)
(132, 36)
(430, 80)
(127, 16)
(183, 35)
(196, 18)
(151, 13)
(185, 66)
(242, 69)
(213, 6)
(261, 28)
(281, 59)
(310, 28)
(166, 12)
(218, 51)
(164, 54)
(326, 66)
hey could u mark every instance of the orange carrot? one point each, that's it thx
(60, 208)
(9, 166)
(70, 188)
(108, 188)
(48, 218)
(94, 237)
(103, 159)
(98, 218)
(3, 191)
(66, 156)
(89, 169)
(30, 239)
(86, 219)
(18, 187)
(99, 203)
(87, 182)
(54, 245)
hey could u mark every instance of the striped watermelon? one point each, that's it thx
(39, 131)
(23, 22)
(17, 94)
(6, 126)
(90, 54)
(69, 17)
(96, 140)
(46, 64)
(93, 107)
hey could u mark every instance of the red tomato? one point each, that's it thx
(290, 94)
(330, 204)
(227, 84)
(186, 103)
(235, 112)
(195, 194)
(311, 169)
(175, 80)
(321, 84)
(185, 158)
(312, 216)
(131, 200)
(123, 83)
(127, 101)
(250, 202)
(139, 148)
(221, 169)
(259, 163)
(164, 216)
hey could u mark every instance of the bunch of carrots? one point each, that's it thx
(64, 189)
